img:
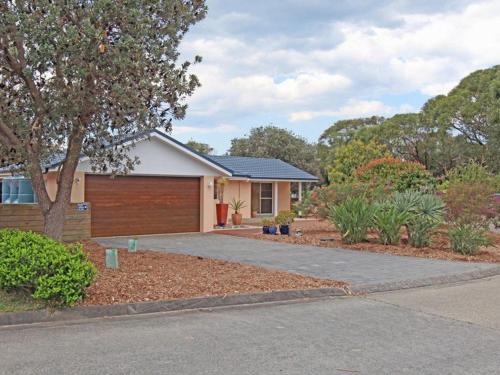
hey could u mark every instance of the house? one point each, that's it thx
(173, 189)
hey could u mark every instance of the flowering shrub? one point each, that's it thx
(396, 174)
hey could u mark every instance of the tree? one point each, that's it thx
(341, 133)
(353, 155)
(471, 111)
(80, 76)
(202, 148)
(273, 142)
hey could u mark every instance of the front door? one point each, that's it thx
(262, 198)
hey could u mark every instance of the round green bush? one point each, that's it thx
(44, 267)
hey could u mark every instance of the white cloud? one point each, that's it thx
(349, 69)
(354, 108)
(222, 128)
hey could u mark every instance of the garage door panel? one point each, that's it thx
(134, 205)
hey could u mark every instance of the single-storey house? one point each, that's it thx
(173, 189)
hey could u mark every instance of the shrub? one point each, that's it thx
(320, 199)
(387, 221)
(471, 202)
(425, 214)
(471, 172)
(399, 174)
(46, 268)
(467, 238)
(352, 218)
(285, 218)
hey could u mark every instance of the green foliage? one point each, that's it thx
(467, 238)
(202, 148)
(343, 132)
(285, 218)
(274, 142)
(388, 220)
(397, 174)
(472, 172)
(46, 268)
(267, 222)
(353, 155)
(352, 218)
(470, 110)
(76, 76)
(237, 205)
(320, 199)
(426, 214)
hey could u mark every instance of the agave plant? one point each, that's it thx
(352, 218)
(426, 213)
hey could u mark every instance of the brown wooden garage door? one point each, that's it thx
(142, 205)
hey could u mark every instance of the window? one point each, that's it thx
(262, 198)
(17, 190)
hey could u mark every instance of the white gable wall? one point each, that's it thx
(160, 158)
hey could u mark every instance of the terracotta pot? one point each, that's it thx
(254, 214)
(236, 219)
(221, 209)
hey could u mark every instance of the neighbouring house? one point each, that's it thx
(173, 189)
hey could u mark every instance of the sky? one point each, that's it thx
(302, 65)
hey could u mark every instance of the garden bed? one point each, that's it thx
(315, 230)
(153, 276)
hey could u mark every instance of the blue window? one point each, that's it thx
(17, 190)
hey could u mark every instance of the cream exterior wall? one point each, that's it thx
(283, 196)
(77, 192)
(241, 190)
(207, 203)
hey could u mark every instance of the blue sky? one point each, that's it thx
(302, 65)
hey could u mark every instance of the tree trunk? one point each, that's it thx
(54, 211)
(53, 221)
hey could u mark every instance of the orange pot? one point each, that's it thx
(236, 219)
(221, 209)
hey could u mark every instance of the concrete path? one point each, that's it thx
(475, 302)
(356, 267)
(326, 337)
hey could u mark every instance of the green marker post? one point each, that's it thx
(112, 258)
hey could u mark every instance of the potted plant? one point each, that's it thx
(237, 205)
(266, 224)
(284, 219)
(221, 207)
(273, 229)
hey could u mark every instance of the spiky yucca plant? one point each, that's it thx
(352, 218)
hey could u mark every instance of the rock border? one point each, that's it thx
(130, 309)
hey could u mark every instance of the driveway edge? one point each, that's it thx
(429, 281)
(129, 309)
(100, 311)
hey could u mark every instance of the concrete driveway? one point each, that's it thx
(356, 267)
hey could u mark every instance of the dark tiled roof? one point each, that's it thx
(238, 166)
(260, 168)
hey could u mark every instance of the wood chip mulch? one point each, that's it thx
(153, 276)
(313, 230)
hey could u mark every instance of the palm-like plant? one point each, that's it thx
(387, 221)
(237, 205)
(352, 218)
(425, 214)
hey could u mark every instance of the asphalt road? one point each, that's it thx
(408, 332)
